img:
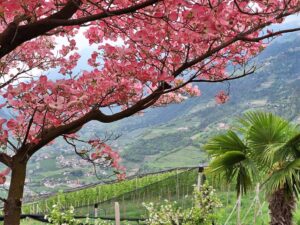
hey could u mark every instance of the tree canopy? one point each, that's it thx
(145, 53)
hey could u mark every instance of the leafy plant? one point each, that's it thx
(202, 212)
(58, 217)
(262, 148)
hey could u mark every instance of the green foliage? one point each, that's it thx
(297, 218)
(264, 148)
(223, 143)
(59, 217)
(202, 213)
(226, 160)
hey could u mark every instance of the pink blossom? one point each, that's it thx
(222, 97)
(3, 175)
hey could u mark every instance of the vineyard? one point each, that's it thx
(174, 185)
(85, 197)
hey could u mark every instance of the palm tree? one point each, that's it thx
(261, 147)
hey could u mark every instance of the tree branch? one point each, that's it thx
(99, 16)
(23, 33)
(226, 79)
(28, 128)
(269, 35)
(5, 159)
(95, 114)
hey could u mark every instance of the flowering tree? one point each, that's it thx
(146, 53)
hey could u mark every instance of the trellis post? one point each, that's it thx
(88, 206)
(177, 185)
(256, 201)
(200, 177)
(47, 208)
(239, 206)
(227, 195)
(117, 213)
(96, 210)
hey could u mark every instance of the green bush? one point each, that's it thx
(202, 212)
(58, 217)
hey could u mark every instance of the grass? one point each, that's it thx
(247, 209)
(31, 222)
(188, 155)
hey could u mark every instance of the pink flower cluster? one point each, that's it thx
(156, 41)
(104, 153)
(222, 97)
(53, 103)
(3, 175)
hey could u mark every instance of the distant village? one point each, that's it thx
(69, 178)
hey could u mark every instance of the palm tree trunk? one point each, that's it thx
(281, 206)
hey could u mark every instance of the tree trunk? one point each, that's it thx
(12, 207)
(281, 206)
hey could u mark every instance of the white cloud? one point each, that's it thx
(294, 19)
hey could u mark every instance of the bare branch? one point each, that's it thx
(3, 200)
(228, 78)
(28, 128)
(270, 35)
(15, 149)
(103, 15)
(61, 18)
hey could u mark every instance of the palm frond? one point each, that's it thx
(233, 167)
(266, 146)
(244, 180)
(285, 177)
(226, 161)
(266, 135)
(293, 144)
(223, 143)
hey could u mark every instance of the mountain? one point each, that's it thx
(172, 136)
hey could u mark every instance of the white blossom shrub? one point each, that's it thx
(202, 211)
(60, 217)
